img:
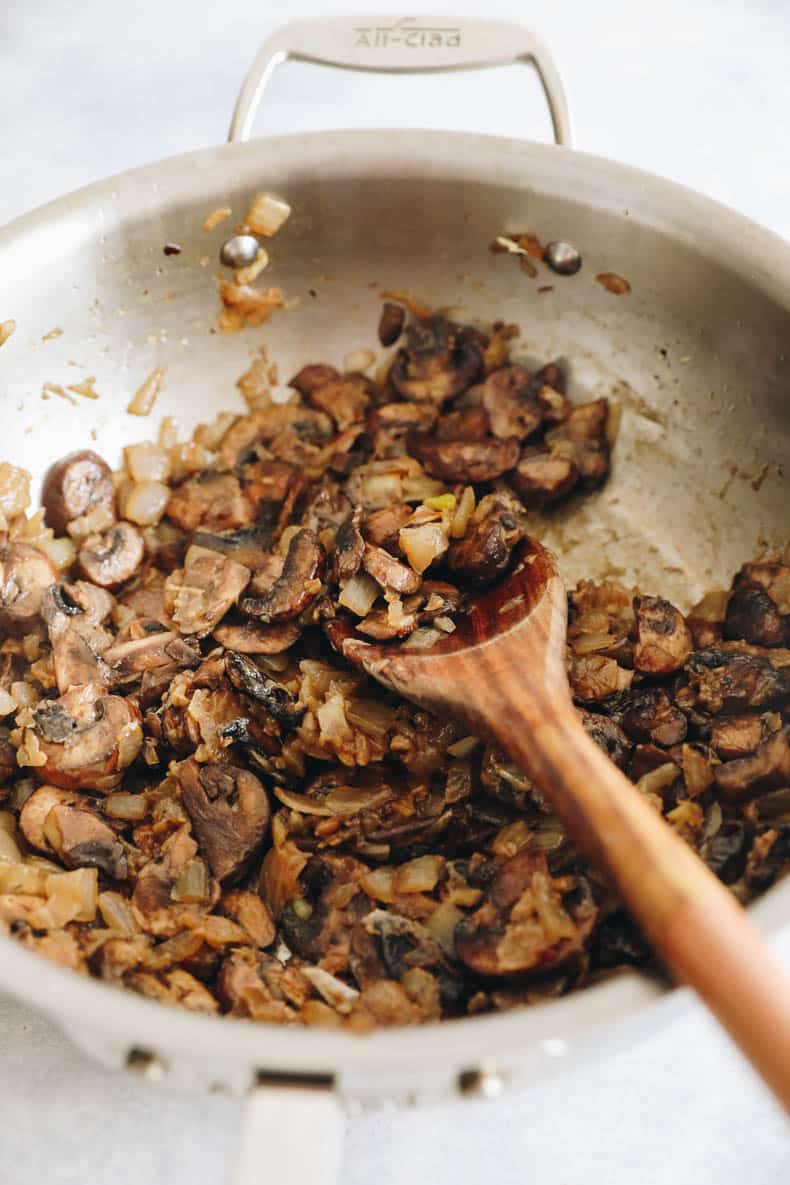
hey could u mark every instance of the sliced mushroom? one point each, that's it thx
(384, 626)
(391, 416)
(382, 527)
(609, 736)
(483, 554)
(36, 810)
(405, 944)
(229, 809)
(212, 500)
(160, 648)
(469, 423)
(768, 768)
(730, 683)
(111, 557)
(349, 549)
(273, 697)
(436, 364)
(736, 736)
(529, 920)
(93, 603)
(73, 659)
(753, 616)
(391, 323)
(584, 432)
(651, 716)
(271, 489)
(80, 482)
(664, 641)
(389, 572)
(543, 476)
(248, 545)
(298, 585)
(344, 398)
(25, 574)
(205, 589)
(87, 739)
(773, 576)
(509, 399)
(81, 840)
(471, 461)
(254, 638)
(313, 376)
(595, 678)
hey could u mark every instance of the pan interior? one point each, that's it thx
(694, 354)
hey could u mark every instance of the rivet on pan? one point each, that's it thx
(146, 1063)
(239, 251)
(481, 1083)
(563, 258)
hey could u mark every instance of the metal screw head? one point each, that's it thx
(482, 1082)
(563, 258)
(239, 251)
(146, 1063)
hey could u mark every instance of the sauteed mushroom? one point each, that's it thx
(86, 739)
(25, 574)
(412, 873)
(230, 813)
(436, 363)
(76, 484)
(111, 557)
(298, 585)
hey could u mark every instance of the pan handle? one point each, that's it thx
(401, 45)
(292, 1133)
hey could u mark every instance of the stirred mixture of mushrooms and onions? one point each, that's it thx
(202, 802)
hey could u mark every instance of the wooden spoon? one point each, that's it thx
(502, 675)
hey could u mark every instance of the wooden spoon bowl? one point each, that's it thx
(502, 674)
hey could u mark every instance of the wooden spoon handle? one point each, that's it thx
(693, 921)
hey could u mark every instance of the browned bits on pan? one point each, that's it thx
(391, 323)
(241, 822)
(79, 483)
(613, 283)
(112, 557)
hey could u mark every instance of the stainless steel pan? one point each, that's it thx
(696, 354)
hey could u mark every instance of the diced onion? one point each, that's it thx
(424, 544)
(442, 924)
(145, 397)
(131, 807)
(358, 361)
(336, 993)
(147, 461)
(359, 594)
(420, 875)
(62, 551)
(145, 502)
(463, 513)
(267, 214)
(216, 216)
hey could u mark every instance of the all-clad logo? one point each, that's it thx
(408, 33)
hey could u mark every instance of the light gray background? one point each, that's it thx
(698, 91)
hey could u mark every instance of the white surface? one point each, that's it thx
(92, 88)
